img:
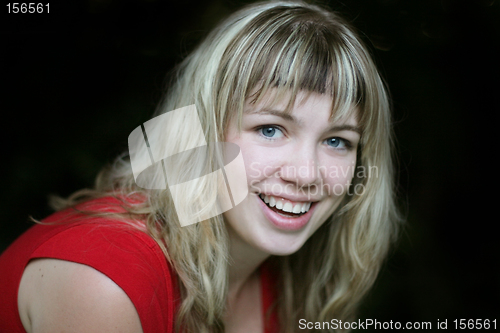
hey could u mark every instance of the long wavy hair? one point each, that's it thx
(287, 46)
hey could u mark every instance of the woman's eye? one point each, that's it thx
(337, 143)
(271, 132)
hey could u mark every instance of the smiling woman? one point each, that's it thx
(293, 86)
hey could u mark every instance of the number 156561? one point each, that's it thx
(30, 8)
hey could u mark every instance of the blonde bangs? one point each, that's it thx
(294, 50)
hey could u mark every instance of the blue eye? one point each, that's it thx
(271, 132)
(337, 143)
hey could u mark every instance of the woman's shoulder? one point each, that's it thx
(108, 248)
(57, 295)
(90, 233)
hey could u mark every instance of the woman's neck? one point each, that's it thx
(244, 261)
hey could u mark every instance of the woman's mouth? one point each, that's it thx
(285, 214)
(285, 207)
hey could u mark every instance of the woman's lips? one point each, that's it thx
(282, 222)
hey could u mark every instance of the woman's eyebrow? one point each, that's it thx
(339, 128)
(277, 113)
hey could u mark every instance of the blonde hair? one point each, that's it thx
(288, 46)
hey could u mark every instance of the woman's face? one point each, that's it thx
(299, 167)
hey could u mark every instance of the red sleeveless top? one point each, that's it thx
(128, 256)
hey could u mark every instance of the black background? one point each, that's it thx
(76, 81)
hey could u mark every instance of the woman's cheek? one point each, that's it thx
(339, 178)
(258, 165)
(254, 170)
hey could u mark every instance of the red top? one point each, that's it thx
(128, 256)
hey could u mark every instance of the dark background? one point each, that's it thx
(75, 82)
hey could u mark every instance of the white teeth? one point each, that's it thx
(279, 204)
(286, 207)
(297, 209)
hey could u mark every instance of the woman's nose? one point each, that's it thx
(301, 167)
